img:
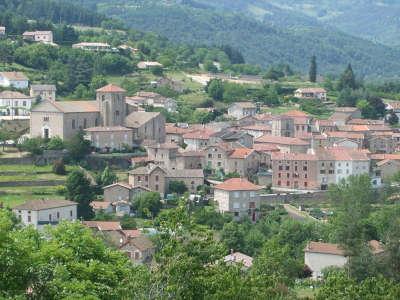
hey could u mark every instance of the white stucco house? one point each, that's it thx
(15, 103)
(14, 79)
(39, 213)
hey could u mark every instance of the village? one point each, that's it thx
(250, 161)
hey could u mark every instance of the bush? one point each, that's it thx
(59, 167)
(61, 190)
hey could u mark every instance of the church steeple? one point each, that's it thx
(112, 105)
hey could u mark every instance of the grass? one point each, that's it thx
(12, 196)
(193, 99)
(306, 293)
(187, 82)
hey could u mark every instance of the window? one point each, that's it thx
(287, 183)
(58, 215)
(139, 178)
(305, 176)
(46, 119)
(117, 113)
(288, 175)
(29, 219)
(137, 255)
(219, 164)
(280, 168)
(304, 168)
(70, 213)
(236, 194)
(279, 175)
(295, 168)
(305, 184)
(279, 183)
(23, 103)
(156, 187)
(96, 122)
(287, 168)
(73, 124)
(331, 171)
(146, 178)
(49, 217)
(219, 155)
(84, 123)
(210, 155)
(236, 214)
(103, 97)
(236, 205)
(156, 177)
(322, 172)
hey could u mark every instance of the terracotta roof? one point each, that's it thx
(385, 161)
(266, 148)
(385, 156)
(257, 127)
(131, 233)
(270, 139)
(202, 134)
(13, 95)
(295, 113)
(263, 117)
(139, 159)
(238, 184)
(97, 205)
(376, 247)
(343, 154)
(241, 153)
(14, 75)
(238, 257)
(44, 204)
(111, 88)
(173, 129)
(343, 134)
(107, 129)
(365, 122)
(103, 225)
(325, 248)
(76, 106)
(123, 184)
(329, 123)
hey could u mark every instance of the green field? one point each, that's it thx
(12, 196)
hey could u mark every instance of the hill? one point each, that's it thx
(199, 22)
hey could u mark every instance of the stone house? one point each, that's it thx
(216, 156)
(265, 152)
(238, 258)
(239, 110)
(17, 80)
(311, 93)
(157, 100)
(322, 126)
(146, 126)
(191, 160)
(15, 104)
(240, 137)
(111, 138)
(193, 178)
(38, 36)
(198, 139)
(102, 206)
(257, 130)
(342, 115)
(283, 126)
(381, 142)
(120, 191)
(291, 171)
(340, 138)
(238, 197)
(151, 176)
(164, 154)
(387, 168)
(243, 161)
(39, 213)
(139, 249)
(174, 133)
(285, 144)
(43, 91)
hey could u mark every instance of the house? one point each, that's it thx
(119, 191)
(311, 93)
(39, 213)
(190, 160)
(156, 100)
(174, 132)
(342, 115)
(139, 249)
(96, 47)
(325, 125)
(43, 91)
(238, 197)
(319, 256)
(238, 258)
(151, 176)
(198, 139)
(15, 104)
(17, 80)
(285, 144)
(121, 208)
(102, 226)
(38, 36)
(257, 130)
(193, 178)
(282, 126)
(138, 190)
(243, 161)
(163, 154)
(265, 152)
(2, 31)
(239, 110)
(146, 126)
(240, 137)
(148, 65)
(345, 139)
(294, 171)
(102, 206)
(111, 138)
(387, 168)
(381, 142)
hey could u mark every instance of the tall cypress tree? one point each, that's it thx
(313, 69)
(348, 79)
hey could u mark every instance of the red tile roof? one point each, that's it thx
(100, 204)
(343, 135)
(270, 139)
(266, 148)
(295, 113)
(325, 248)
(202, 134)
(111, 88)
(103, 225)
(241, 153)
(293, 156)
(237, 184)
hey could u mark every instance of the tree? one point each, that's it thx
(313, 69)
(393, 119)
(232, 236)
(147, 204)
(215, 89)
(78, 147)
(178, 187)
(55, 143)
(79, 190)
(34, 146)
(347, 79)
(107, 177)
(59, 167)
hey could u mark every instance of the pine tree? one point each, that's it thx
(313, 69)
(348, 79)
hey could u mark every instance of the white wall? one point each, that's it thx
(319, 261)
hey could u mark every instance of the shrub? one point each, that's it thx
(59, 167)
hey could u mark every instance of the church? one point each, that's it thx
(108, 121)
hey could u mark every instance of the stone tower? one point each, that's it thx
(283, 126)
(112, 105)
